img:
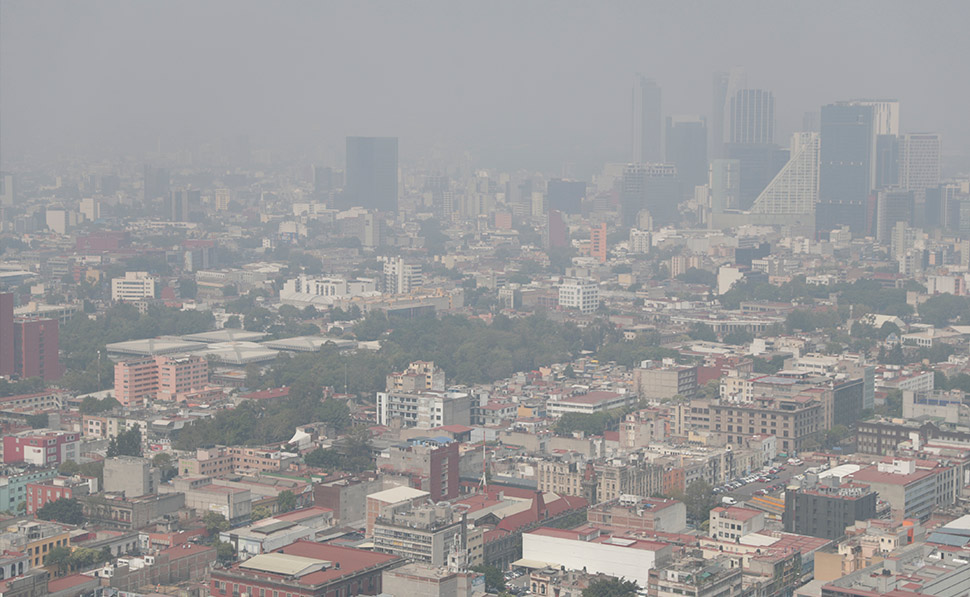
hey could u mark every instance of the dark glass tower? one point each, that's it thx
(371, 176)
(687, 149)
(846, 172)
(647, 121)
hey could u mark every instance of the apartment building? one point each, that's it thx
(134, 286)
(163, 377)
(580, 294)
(793, 421)
(419, 376)
(425, 410)
(827, 509)
(425, 533)
(657, 383)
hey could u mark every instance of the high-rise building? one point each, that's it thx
(597, 242)
(726, 86)
(892, 206)
(7, 361)
(566, 195)
(401, 277)
(794, 190)
(647, 121)
(687, 149)
(920, 156)
(155, 183)
(7, 197)
(752, 117)
(222, 198)
(36, 348)
(758, 164)
(371, 175)
(725, 185)
(555, 230)
(641, 241)
(887, 161)
(179, 204)
(579, 294)
(846, 173)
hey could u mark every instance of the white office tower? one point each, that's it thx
(920, 156)
(401, 277)
(794, 190)
(579, 294)
(640, 241)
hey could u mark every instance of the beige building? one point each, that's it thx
(657, 383)
(418, 579)
(794, 421)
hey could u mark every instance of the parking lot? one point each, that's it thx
(772, 486)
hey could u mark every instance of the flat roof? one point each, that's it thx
(398, 494)
(591, 398)
(307, 343)
(224, 335)
(153, 346)
(285, 564)
(238, 353)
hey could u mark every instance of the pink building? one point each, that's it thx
(161, 377)
(41, 447)
(179, 375)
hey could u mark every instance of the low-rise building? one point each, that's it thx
(589, 403)
(694, 577)
(270, 534)
(307, 569)
(426, 533)
(422, 580)
(732, 523)
(592, 550)
(41, 447)
(828, 508)
(635, 513)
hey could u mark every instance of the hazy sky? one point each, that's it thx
(518, 82)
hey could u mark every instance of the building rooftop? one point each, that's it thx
(153, 346)
(309, 563)
(224, 335)
(398, 494)
(596, 397)
(871, 474)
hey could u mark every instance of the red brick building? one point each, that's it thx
(304, 569)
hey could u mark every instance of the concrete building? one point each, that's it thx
(425, 409)
(422, 580)
(432, 465)
(234, 503)
(401, 277)
(36, 538)
(131, 476)
(635, 513)
(7, 366)
(419, 376)
(370, 179)
(36, 348)
(922, 569)
(163, 377)
(590, 549)
(665, 382)
(347, 497)
(425, 533)
(589, 403)
(732, 523)
(793, 421)
(270, 534)
(41, 447)
(695, 577)
(135, 286)
(394, 497)
(14, 481)
(51, 490)
(597, 243)
(827, 509)
(910, 492)
(306, 569)
(583, 295)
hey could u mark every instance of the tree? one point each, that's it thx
(92, 406)
(69, 468)
(38, 421)
(233, 322)
(68, 511)
(611, 587)
(738, 337)
(699, 499)
(166, 465)
(494, 579)
(260, 512)
(702, 331)
(225, 552)
(59, 558)
(214, 523)
(835, 435)
(126, 443)
(285, 501)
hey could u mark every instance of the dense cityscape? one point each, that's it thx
(734, 362)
